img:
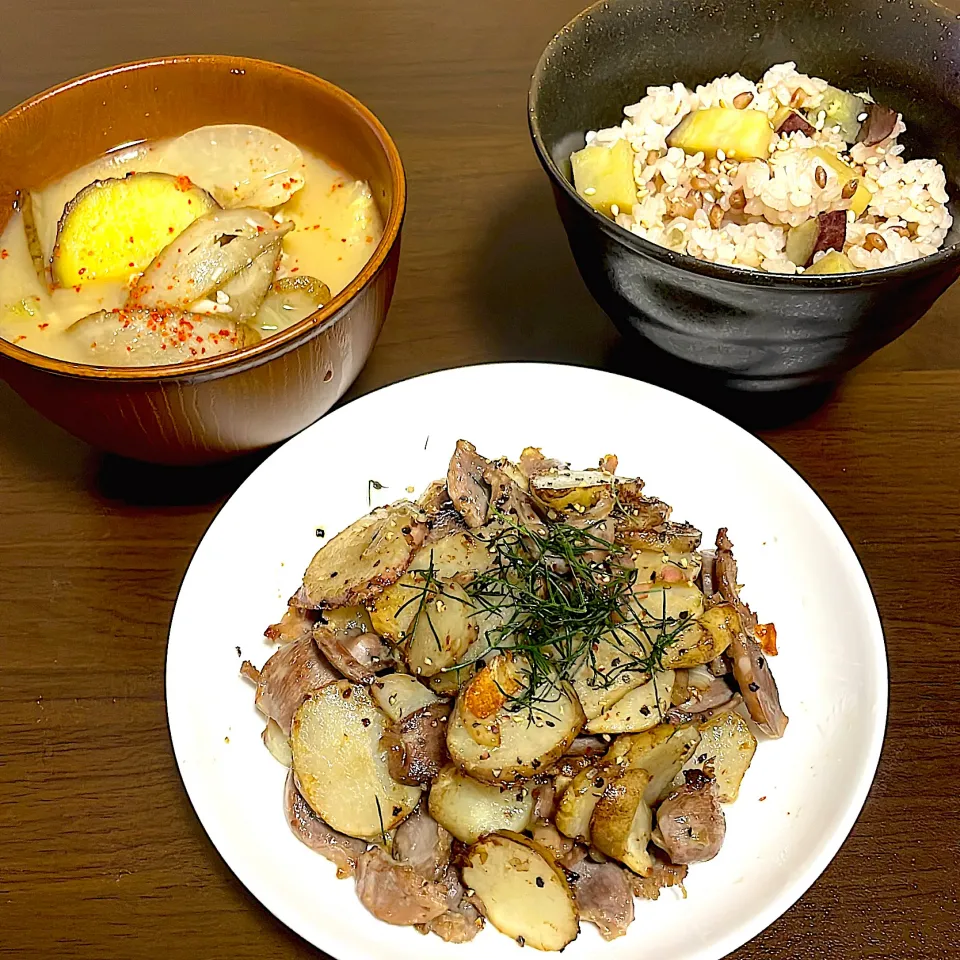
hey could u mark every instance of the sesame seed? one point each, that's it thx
(614, 209)
(590, 191)
(721, 156)
(222, 297)
(862, 117)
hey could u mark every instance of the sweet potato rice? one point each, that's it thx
(786, 175)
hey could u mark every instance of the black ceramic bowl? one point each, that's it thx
(758, 331)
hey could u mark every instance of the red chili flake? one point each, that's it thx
(129, 238)
(295, 269)
(193, 351)
(260, 229)
(762, 799)
(131, 264)
(169, 229)
(189, 202)
(77, 288)
(369, 239)
(23, 336)
(42, 326)
(203, 350)
(4, 253)
(183, 184)
(129, 349)
(163, 346)
(198, 339)
(343, 239)
(224, 333)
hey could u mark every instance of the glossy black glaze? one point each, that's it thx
(757, 331)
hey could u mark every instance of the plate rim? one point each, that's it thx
(757, 922)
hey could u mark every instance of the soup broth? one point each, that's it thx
(181, 249)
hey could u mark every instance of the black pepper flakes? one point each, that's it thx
(347, 693)
(319, 532)
(540, 882)
(365, 721)
(397, 811)
(239, 654)
(753, 687)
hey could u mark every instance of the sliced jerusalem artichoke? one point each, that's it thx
(340, 766)
(622, 821)
(398, 695)
(661, 751)
(641, 708)
(727, 746)
(140, 337)
(529, 739)
(579, 799)
(525, 893)
(601, 678)
(114, 228)
(209, 253)
(288, 301)
(32, 234)
(245, 292)
(443, 630)
(704, 640)
(470, 809)
(359, 562)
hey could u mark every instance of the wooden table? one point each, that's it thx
(101, 855)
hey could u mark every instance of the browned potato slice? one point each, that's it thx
(363, 559)
(524, 892)
(578, 801)
(114, 228)
(470, 809)
(726, 743)
(340, 767)
(705, 639)
(661, 751)
(444, 628)
(398, 695)
(643, 707)
(622, 821)
(673, 601)
(484, 697)
(530, 740)
(394, 610)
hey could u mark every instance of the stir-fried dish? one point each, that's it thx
(523, 699)
(181, 249)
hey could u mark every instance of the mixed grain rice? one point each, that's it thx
(738, 213)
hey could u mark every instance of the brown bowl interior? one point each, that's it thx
(61, 129)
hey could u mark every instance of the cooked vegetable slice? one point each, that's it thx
(661, 751)
(530, 739)
(460, 556)
(603, 176)
(602, 678)
(398, 695)
(277, 742)
(340, 767)
(359, 562)
(288, 301)
(727, 744)
(705, 639)
(241, 165)
(245, 291)
(828, 231)
(32, 234)
(114, 228)
(444, 628)
(833, 262)
(470, 809)
(847, 175)
(580, 489)
(738, 134)
(622, 821)
(842, 109)
(641, 708)
(668, 601)
(524, 892)
(578, 800)
(209, 253)
(138, 337)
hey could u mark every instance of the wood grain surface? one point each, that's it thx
(101, 856)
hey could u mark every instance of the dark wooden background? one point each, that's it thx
(101, 856)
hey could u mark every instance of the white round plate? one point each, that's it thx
(801, 795)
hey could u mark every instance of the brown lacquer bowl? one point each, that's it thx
(221, 406)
